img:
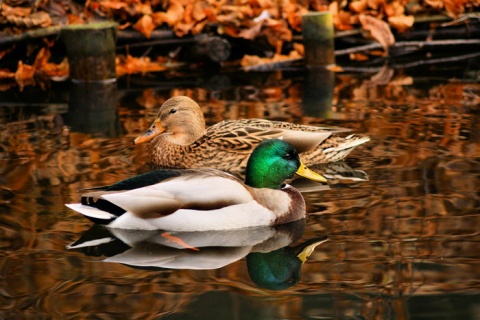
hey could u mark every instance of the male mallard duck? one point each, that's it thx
(180, 140)
(205, 199)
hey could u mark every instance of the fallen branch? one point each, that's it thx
(31, 34)
(405, 44)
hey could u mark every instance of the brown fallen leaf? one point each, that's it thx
(115, 5)
(379, 30)
(436, 4)
(358, 6)
(454, 7)
(42, 58)
(375, 4)
(24, 71)
(6, 74)
(394, 9)
(401, 23)
(145, 25)
(173, 15)
(7, 10)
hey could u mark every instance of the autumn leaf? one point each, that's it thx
(6, 10)
(198, 11)
(173, 15)
(401, 23)
(145, 25)
(24, 71)
(251, 33)
(454, 7)
(379, 30)
(6, 74)
(436, 4)
(358, 6)
(42, 58)
(341, 19)
(56, 71)
(394, 9)
(115, 5)
(375, 4)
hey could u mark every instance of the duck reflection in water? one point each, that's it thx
(271, 262)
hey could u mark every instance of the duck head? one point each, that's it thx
(274, 161)
(180, 120)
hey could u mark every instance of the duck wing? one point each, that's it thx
(162, 192)
(246, 134)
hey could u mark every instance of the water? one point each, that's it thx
(402, 238)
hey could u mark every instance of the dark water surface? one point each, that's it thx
(402, 244)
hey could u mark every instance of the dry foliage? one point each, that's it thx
(250, 19)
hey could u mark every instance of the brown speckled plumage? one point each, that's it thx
(185, 143)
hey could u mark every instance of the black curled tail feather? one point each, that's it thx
(103, 205)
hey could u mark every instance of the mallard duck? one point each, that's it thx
(179, 139)
(205, 199)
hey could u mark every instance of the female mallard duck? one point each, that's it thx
(205, 199)
(180, 140)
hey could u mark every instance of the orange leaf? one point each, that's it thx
(436, 4)
(173, 15)
(42, 58)
(401, 23)
(145, 25)
(375, 4)
(115, 5)
(182, 29)
(394, 9)
(6, 10)
(379, 30)
(6, 74)
(53, 70)
(24, 71)
(198, 11)
(358, 56)
(454, 7)
(358, 6)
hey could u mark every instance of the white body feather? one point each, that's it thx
(231, 205)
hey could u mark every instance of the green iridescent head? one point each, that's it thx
(274, 161)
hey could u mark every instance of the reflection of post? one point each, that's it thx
(91, 50)
(318, 39)
(93, 108)
(318, 92)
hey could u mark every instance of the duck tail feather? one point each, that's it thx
(94, 214)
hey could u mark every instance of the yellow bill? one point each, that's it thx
(303, 171)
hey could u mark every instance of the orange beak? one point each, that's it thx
(154, 130)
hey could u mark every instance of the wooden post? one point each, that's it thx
(91, 50)
(318, 39)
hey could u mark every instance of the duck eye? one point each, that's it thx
(172, 111)
(287, 156)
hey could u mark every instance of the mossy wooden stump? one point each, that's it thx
(91, 51)
(318, 39)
